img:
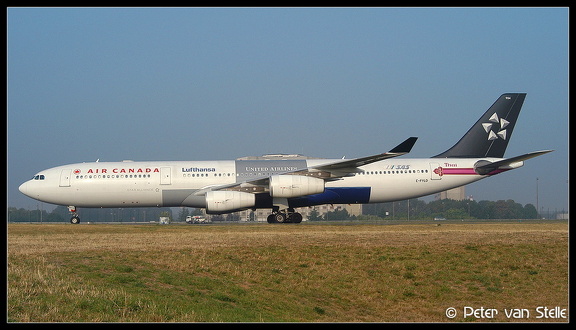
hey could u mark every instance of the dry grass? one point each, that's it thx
(283, 273)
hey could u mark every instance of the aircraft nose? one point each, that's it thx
(24, 188)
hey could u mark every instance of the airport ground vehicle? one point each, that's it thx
(196, 219)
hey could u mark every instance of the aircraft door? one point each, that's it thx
(165, 175)
(65, 178)
(435, 171)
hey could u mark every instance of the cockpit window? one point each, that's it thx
(39, 177)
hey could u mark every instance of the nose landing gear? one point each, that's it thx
(75, 218)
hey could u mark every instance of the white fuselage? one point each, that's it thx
(176, 183)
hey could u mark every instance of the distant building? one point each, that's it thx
(457, 194)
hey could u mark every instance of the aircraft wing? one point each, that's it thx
(351, 164)
(328, 172)
(485, 167)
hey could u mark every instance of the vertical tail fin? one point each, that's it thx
(490, 135)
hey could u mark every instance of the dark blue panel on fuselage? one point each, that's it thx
(355, 195)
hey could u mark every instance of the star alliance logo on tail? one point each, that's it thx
(495, 120)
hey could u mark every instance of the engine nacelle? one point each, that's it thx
(287, 186)
(227, 201)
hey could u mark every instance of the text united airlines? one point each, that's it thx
(271, 169)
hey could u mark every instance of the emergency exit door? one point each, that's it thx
(65, 178)
(165, 175)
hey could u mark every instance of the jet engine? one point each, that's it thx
(227, 201)
(286, 186)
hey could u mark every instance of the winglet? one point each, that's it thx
(404, 147)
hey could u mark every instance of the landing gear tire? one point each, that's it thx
(75, 220)
(295, 218)
(280, 217)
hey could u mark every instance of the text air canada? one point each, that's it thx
(119, 170)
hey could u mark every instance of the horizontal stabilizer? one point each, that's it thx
(484, 167)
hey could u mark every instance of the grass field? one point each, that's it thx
(286, 273)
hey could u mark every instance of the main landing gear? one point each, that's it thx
(75, 218)
(289, 216)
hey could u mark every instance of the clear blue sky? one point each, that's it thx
(212, 84)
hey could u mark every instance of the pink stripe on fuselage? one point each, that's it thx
(467, 171)
(460, 171)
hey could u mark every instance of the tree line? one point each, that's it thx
(61, 214)
(413, 209)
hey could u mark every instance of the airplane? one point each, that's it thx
(282, 183)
